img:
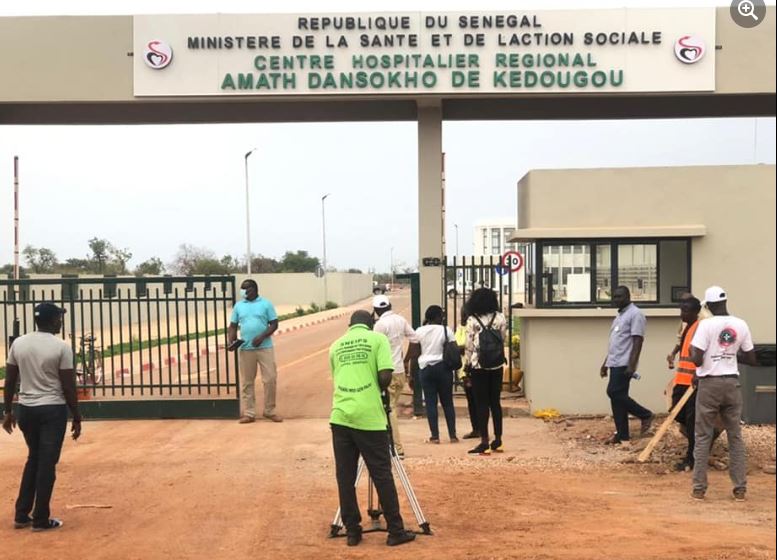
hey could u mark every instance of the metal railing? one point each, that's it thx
(463, 275)
(135, 338)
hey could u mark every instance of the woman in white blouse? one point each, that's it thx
(436, 378)
(486, 371)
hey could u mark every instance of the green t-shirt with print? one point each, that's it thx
(355, 360)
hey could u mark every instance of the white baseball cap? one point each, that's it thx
(380, 302)
(714, 294)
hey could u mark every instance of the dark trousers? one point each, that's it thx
(487, 389)
(471, 406)
(622, 404)
(44, 431)
(686, 418)
(418, 395)
(437, 382)
(348, 444)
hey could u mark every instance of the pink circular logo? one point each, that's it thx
(689, 49)
(157, 54)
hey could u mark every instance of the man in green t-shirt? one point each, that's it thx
(362, 365)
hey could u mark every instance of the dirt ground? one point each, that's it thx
(216, 489)
(213, 489)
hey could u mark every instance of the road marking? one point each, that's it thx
(300, 360)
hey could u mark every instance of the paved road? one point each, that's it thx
(304, 381)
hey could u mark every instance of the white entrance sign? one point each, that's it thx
(413, 53)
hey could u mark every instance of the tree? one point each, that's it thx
(151, 267)
(262, 265)
(299, 262)
(99, 256)
(119, 258)
(354, 271)
(41, 260)
(188, 257)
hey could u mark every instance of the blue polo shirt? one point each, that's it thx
(252, 317)
(629, 322)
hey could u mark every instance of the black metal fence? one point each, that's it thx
(463, 275)
(139, 339)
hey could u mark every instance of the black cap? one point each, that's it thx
(46, 311)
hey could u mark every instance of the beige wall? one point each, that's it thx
(304, 288)
(54, 66)
(562, 351)
(735, 203)
(561, 357)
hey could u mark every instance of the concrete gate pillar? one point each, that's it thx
(430, 200)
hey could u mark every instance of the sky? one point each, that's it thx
(153, 188)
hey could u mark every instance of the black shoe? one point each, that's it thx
(354, 538)
(496, 446)
(647, 423)
(51, 524)
(482, 449)
(684, 466)
(396, 539)
(22, 524)
(472, 435)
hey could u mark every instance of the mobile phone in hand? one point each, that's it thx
(235, 345)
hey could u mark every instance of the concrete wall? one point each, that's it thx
(561, 357)
(562, 349)
(304, 288)
(59, 65)
(736, 204)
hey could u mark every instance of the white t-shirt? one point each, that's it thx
(396, 328)
(39, 357)
(432, 339)
(720, 338)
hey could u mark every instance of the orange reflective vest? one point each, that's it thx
(685, 367)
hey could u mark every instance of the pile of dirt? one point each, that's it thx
(590, 433)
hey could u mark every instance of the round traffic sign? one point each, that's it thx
(512, 260)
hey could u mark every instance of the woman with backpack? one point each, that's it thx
(484, 359)
(436, 375)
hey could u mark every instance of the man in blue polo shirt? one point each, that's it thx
(257, 321)
(626, 336)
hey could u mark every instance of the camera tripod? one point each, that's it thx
(375, 513)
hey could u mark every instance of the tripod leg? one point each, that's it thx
(411, 497)
(371, 511)
(337, 523)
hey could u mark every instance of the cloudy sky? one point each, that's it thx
(78, 182)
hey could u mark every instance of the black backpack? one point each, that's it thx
(451, 355)
(491, 353)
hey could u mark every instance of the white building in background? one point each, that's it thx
(491, 240)
(492, 237)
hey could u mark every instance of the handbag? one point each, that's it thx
(451, 355)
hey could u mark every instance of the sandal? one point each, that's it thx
(433, 440)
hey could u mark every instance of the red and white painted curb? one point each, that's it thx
(215, 349)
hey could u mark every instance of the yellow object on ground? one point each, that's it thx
(547, 413)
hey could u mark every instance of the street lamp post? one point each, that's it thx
(392, 268)
(323, 238)
(456, 227)
(248, 217)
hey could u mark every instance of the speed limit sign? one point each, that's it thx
(512, 261)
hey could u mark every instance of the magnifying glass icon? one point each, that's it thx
(746, 8)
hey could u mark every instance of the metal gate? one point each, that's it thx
(143, 347)
(463, 275)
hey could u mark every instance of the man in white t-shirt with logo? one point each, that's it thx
(719, 344)
(397, 330)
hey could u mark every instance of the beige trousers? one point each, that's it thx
(395, 391)
(249, 360)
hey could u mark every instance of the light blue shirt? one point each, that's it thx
(629, 322)
(252, 317)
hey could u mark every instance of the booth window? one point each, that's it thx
(583, 273)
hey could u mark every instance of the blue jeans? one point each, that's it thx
(437, 381)
(622, 404)
(44, 430)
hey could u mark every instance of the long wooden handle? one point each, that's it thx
(665, 426)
